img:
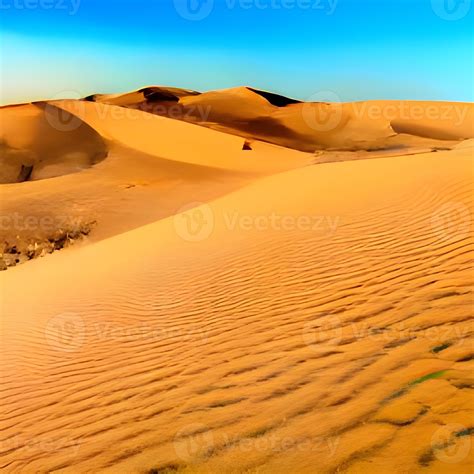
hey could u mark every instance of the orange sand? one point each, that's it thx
(241, 310)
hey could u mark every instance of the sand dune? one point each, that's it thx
(40, 141)
(329, 345)
(143, 96)
(176, 140)
(228, 305)
(310, 126)
(154, 167)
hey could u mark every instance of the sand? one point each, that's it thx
(46, 140)
(308, 126)
(154, 166)
(243, 310)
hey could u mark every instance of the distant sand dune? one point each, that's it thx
(152, 93)
(305, 126)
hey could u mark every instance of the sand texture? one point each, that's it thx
(244, 292)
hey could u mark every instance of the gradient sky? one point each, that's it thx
(359, 49)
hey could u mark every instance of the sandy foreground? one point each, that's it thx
(220, 294)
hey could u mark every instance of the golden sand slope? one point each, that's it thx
(314, 321)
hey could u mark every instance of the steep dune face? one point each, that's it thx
(156, 135)
(181, 142)
(40, 141)
(317, 319)
(310, 126)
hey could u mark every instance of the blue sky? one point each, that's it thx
(358, 49)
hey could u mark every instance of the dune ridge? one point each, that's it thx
(309, 126)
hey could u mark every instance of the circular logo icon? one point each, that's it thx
(194, 10)
(323, 111)
(192, 441)
(449, 445)
(318, 334)
(451, 221)
(194, 222)
(65, 332)
(451, 10)
(63, 120)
